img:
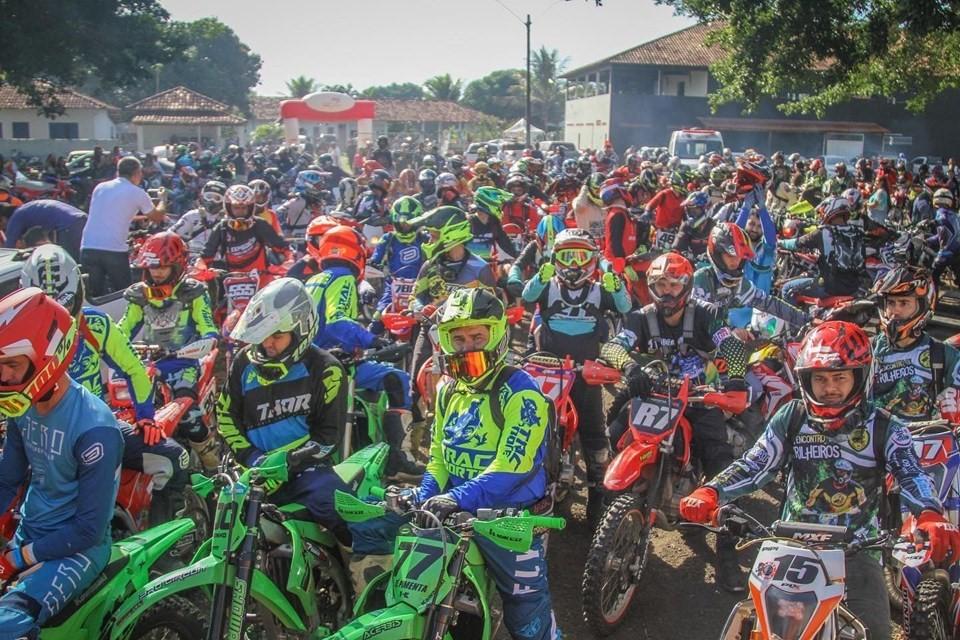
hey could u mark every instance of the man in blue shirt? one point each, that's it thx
(67, 442)
(63, 222)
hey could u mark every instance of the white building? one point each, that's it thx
(181, 114)
(85, 123)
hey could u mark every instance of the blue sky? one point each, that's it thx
(368, 42)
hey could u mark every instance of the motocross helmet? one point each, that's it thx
(570, 168)
(211, 197)
(427, 181)
(678, 183)
(906, 281)
(943, 198)
(165, 249)
(648, 180)
(468, 308)
(854, 197)
(575, 256)
(342, 244)
(547, 230)
(404, 210)
(318, 226)
(727, 238)
(34, 325)
(428, 162)
(261, 193)
(481, 168)
(670, 268)
(51, 269)
(239, 202)
(835, 346)
(518, 185)
(718, 175)
(380, 180)
(349, 192)
(448, 227)
(310, 184)
(594, 182)
(325, 161)
(447, 181)
(695, 206)
(834, 210)
(282, 306)
(842, 472)
(491, 200)
(613, 190)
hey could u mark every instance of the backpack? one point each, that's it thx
(553, 438)
(847, 251)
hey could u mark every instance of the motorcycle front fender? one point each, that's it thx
(629, 463)
(398, 622)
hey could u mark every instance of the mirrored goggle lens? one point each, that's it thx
(212, 198)
(574, 257)
(470, 364)
(239, 224)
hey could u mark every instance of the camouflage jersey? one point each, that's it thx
(173, 322)
(833, 477)
(439, 277)
(483, 464)
(903, 382)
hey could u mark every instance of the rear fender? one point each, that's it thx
(626, 467)
(148, 546)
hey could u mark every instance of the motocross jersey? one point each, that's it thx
(72, 455)
(102, 339)
(303, 269)
(439, 277)
(402, 259)
(308, 403)
(334, 291)
(270, 217)
(573, 321)
(295, 215)
(903, 381)
(486, 235)
(194, 227)
(564, 189)
(692, 238)
(371, 209)
(243, 250)
(841, 260)
(947, 237)
(589, 216)
(173, 322)
(818, 490)
(707, 287)
(623, 237)
(668, 207)
(483, 464)
(522, 213)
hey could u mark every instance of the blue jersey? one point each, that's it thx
(73, 455)
(334, 291)
(402, 259)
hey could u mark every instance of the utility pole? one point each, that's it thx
(527, 110)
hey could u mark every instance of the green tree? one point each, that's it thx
(546, 87)
(63, 43)
(301, 86)
(499, 94)
(443, 88)
(829, 52)
(395, 91)
(270, 132)
(348, 89)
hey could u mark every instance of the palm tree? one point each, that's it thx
(301, 86)
(348, 89)
(546, 88)
(443, 88)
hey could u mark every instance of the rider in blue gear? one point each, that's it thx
(398, 255)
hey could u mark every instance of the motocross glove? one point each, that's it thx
(700, 506)
(611, 283)
(943, 535)
(196, 349)
(151, 431)
(546, 272)
(442, 506)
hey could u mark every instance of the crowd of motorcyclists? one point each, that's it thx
(626, 261)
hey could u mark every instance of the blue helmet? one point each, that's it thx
(547, 230)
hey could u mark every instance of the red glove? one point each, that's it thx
(943, 535)
(7, 568)
(152, 433)
(700, 506)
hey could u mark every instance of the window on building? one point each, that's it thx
(681, 89)
(1, 130)
(21, 129)
(64, 130)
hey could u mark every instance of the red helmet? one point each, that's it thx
(835, 346)
(316, 230)
(671, 267)
(816, 165)
(165, 249)
(342, 243)
(33, 325)
(369, 166)
(727, 238)
(906, 281)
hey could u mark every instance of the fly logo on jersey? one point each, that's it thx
(283, 406)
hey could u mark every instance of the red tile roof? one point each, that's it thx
(10, 98)
(182, 106)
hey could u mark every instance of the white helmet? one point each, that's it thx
(51, 269)
(283, 305)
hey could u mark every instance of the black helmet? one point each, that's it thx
(427, 180)
(380, 179)
(325, 160)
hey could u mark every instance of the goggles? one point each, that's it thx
(212, 197)
(574, 257)
(240, 224)
(469, 364)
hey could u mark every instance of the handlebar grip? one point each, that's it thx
(378, 492)
(547, 522)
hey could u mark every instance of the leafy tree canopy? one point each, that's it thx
(394, 91)
(500, 94)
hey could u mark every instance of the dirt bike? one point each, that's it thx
(651, 472)
(797, 582)
(556, 378)
(917, 586)
(438, 587)
(270, 571)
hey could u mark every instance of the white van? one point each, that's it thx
(690, 144)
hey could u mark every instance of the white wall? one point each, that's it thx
(92, 123)
(157, 134)
(587, 121)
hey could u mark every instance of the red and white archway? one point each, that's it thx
(327, 106)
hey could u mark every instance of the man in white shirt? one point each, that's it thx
(104, 253)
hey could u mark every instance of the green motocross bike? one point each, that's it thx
(438, 588)
(128, 570)
(269, 571)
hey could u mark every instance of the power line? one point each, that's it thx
(510, 10)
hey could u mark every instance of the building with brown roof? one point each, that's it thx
(639, 96)
(180, 114)
(84, 122)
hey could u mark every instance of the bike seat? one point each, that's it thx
(118, 560)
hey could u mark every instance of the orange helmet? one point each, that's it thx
(344, 244)
(33, 325)
(315, 231)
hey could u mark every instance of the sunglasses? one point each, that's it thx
(574, 257)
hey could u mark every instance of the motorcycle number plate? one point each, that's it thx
(665, 240)
(653, 415)
(401, 291)
(241, 290)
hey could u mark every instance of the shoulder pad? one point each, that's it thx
(190, 289)
(137, 294)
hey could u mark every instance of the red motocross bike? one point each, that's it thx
(651, 472)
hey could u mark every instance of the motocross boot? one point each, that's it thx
(596, 494)
(401, 464)
(208, 451)
(729, 575)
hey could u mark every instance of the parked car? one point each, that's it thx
(930, 161)
(470, 155)
(569, 149)
(511, 151)
(690, 144)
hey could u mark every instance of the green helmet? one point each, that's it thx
(520, 166)
(405, 209)
(472, 308)
(718, 175)
(449, 227)
(282, 306)
(491, 200)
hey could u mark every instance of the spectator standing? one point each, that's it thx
(63, 223)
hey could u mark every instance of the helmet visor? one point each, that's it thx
(470, 364)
